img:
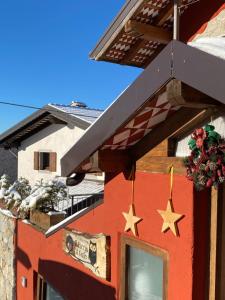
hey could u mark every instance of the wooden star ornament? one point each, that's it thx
(131, 220)
(170, 218)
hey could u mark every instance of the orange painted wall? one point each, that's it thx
(187, 253)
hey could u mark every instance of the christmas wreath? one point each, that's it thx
(206, 164)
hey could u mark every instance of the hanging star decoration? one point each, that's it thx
(170, 218)
(131, 220)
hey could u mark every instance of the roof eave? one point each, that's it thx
(115, 27)
(46, 110)
(21, 124)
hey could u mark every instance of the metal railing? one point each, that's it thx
(77, 202)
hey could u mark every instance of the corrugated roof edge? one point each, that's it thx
(87, 108)
(81, 117)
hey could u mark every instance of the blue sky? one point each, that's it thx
(44, 47)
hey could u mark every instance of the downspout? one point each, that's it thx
(176, 19)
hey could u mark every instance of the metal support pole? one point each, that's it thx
(176, 20)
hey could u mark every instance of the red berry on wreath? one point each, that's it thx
(199, 142)
(209, 182)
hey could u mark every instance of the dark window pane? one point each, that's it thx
(51, 294)
(44, 160)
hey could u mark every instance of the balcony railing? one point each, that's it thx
(77, 202)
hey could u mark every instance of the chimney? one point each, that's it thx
(78, 104)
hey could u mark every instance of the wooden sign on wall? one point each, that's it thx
(93, 251)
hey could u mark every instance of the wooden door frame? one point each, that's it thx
(217, 245)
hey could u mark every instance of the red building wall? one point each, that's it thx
(187, 253)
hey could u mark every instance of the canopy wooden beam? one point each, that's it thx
(140, 43)
(106, 161)
(160, 164)
(163, 131)
(148, 32)
(165, 14)
(179, 94)
(199, 120)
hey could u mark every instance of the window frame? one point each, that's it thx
(41, 287)
(52, 161)
(128, 241)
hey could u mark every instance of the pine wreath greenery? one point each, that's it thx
(206, 164)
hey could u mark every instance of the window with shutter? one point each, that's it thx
(45, 161)
(53, 157)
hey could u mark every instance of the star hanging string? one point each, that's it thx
(170, 218)
(131, 219)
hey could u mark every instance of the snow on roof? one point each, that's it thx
(87, 187)
(82, 191)
(84, 113)
(212, 45)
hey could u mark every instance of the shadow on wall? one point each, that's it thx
(23, 258)
(74, 284)
(202, 208)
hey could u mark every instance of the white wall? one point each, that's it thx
(182, 145)
(55, 138)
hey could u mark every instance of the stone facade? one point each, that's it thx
(7, 257)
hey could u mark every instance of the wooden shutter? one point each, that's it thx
(36, 161)
(53, 157)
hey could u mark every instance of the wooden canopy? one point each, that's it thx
(156, 106)
(139, 32)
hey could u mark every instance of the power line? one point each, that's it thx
(188, 4)
(44, 109)
(20, 105)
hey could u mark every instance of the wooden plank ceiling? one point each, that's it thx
(28, 130)
(144, 35)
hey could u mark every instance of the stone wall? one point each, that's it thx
(7, 256)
